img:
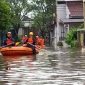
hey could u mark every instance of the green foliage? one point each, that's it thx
(19, 9)
(5, 15)
(43, 12)
(71, 38)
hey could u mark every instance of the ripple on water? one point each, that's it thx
(49, 68)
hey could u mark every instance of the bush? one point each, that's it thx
(71, 38)
(74, 43)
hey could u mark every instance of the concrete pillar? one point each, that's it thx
(82, 39)
(82, 33)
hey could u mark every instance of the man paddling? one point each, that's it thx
(9, 40)
(30, 42)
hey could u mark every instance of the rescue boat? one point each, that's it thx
(19, 50)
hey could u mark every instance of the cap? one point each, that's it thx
(8, 32)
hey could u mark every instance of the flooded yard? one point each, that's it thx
(61, 67)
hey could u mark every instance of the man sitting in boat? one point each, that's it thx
(30, 42)
(9, 40)
(24, 39)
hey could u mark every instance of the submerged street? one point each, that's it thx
(61, 67)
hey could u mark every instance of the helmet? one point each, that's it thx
(31, 33)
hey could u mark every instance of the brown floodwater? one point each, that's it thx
(49, 67)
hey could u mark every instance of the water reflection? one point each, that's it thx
(62, 67)
(17, 61)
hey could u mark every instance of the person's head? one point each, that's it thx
(37, 36)
(25, 35)
(9, 34)
(31, 34)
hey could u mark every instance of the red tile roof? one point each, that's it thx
(75, 8)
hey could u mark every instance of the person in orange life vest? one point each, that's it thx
(31, 42)
(24, 39)
(42, 41)
(38, 40)
(9, 40)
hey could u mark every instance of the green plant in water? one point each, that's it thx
(71, 38)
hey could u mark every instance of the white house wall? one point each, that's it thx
(61, 14)
(20, 32)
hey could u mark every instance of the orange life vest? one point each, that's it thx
(9, 41)
(42, 41)
(38, 41)
(30, 40)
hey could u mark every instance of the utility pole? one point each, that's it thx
(55, 27)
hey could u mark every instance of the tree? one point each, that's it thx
(5, 15)
(43, 12)
(44, 20)
(19, 9)
(5, 18)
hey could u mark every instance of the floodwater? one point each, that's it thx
(60, 67)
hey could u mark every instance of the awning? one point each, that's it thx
(71, 20)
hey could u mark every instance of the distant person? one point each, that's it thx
(9, 40)
(24, 39)
(40, 41)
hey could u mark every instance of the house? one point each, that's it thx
(25, 27)
(69, 14)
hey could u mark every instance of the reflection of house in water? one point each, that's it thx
(69, 14)
(26, 26)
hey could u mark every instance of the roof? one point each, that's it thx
(71, 20)
(26, 18)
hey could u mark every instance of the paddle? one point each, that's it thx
(34, 46)
(6, 45)
(17, 43)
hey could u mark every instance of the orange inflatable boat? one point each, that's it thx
(20, 50)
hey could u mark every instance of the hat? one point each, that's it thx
(31, 33)
(8, 32)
